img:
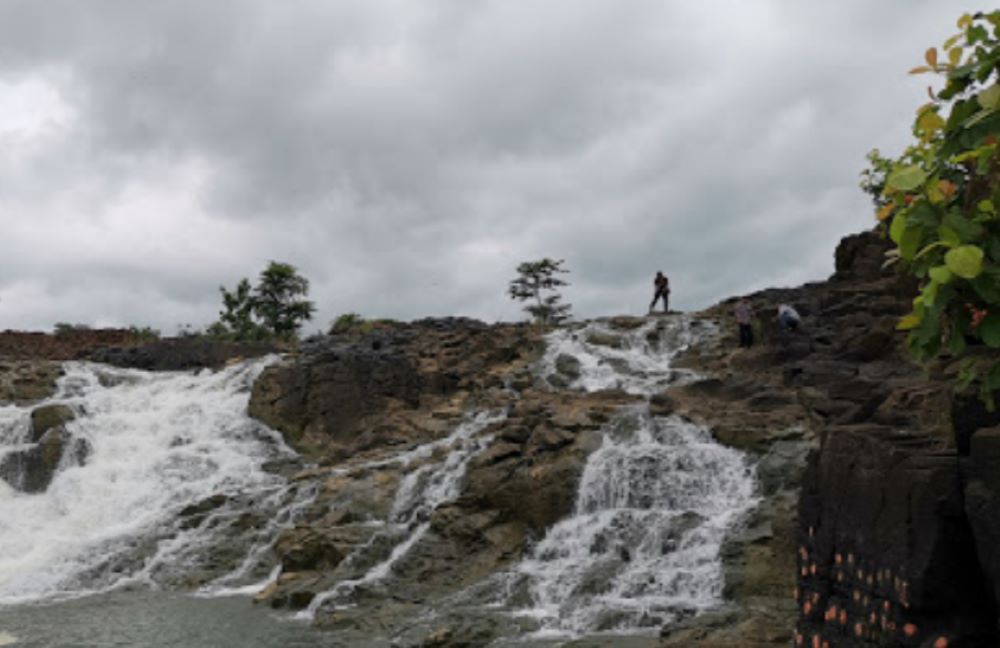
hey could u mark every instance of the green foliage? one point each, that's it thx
(144, 333)
(939, 200)
(277, 300)
(274, 308)
(236, 320)
(65, 328)
(346, 322)
(535, 278)
(873, 178)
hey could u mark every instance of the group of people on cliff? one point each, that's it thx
(788, 318)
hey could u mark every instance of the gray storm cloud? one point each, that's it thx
(406, 156)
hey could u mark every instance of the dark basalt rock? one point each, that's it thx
(181, 354)
(883, 532)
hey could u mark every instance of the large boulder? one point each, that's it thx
(330, 398)
(369, 387)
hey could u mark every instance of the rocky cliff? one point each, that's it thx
(895, 533)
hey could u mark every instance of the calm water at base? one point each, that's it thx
(147, 619)
(143, 619)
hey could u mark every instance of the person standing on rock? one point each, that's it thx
(744, 317)
(788, 318)
(661, 288)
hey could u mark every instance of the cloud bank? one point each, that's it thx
(407, 156)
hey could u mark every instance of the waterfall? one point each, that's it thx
(654, 503)
(174, 470)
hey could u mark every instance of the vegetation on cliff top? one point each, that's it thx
(274, 308)
(538, 283)
(939, 202)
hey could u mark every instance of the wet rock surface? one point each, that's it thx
(49, 444)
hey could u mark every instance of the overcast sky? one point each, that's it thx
(406, 155)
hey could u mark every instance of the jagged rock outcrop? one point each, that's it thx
(362, 389)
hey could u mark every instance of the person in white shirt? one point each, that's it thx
(788, 318)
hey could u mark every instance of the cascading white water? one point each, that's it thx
(158, 443)
(653, 506)
(636, 360)
(421, 490)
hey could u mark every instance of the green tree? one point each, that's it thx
(939, 204)
(236, 320)
(538, 282)
(275, 307)
(278, 300)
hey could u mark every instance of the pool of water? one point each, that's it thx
(156, 619)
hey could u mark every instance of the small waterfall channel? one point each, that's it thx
(166, 485)
(654, 503)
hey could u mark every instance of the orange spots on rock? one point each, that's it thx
(859, 629)
(910, 630)
(799, 639)
(807, 608)
(843, 617)
(812, 569)
(839, 559)
(817, 641)
(941, 642)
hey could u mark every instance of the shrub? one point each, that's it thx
(938, 202)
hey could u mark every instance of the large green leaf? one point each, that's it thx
(990, 97)
(949, 236)
(966, 229)
(909, 243)
(940, 274)
(989, 330)
(965, 261)
(897, 228)
(907, 178)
